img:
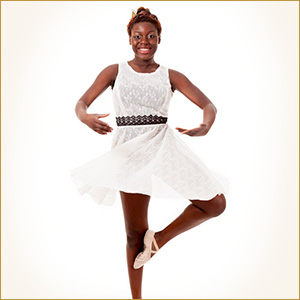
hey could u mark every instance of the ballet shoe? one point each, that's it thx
(145, 256)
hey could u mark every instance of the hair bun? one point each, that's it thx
(143, 9)
(143, 15)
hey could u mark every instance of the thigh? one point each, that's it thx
(135, 209)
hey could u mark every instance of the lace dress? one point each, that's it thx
(147, 156)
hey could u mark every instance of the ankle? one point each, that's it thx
(159, 237)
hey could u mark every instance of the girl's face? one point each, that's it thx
(144, 40)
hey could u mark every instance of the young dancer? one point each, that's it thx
(147, 157)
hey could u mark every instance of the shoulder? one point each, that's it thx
(177, 79)
(108, 75)
(111, 71)
(175, 75)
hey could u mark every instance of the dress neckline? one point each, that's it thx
(141, 72)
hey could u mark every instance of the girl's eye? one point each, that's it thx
(151, 36)
(136, 36)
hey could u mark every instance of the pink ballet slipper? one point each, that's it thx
(145, 256)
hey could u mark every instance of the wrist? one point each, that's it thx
(208, 124)
(204, 125)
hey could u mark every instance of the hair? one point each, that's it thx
(143, 15)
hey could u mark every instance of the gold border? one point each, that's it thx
(104, 1)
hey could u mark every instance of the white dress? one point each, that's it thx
(148, 158)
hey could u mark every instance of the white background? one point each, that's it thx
(243, 56)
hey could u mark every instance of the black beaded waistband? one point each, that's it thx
(140, 120)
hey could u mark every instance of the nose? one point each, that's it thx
(144, 40)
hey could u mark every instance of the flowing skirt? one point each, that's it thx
(147, 159)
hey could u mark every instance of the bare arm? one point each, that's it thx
(105, 79)
(182, 84)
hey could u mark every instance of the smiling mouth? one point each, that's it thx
(144, 50)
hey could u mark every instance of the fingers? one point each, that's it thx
(100, 126)
(199, 131)
(189, 132)
(180, 129)
(101, 130)
(103, 115)
(183, 131)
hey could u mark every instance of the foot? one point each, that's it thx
(150, 248)
(157, 239)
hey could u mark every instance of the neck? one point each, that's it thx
(143, 63)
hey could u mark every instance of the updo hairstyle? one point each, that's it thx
(143, 15)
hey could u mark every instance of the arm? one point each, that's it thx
(182, 84)
(105, 79)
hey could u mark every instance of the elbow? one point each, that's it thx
(80, 105)
(211, 106)
(215, 109)
(77, 105)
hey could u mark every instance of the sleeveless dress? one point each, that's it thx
(147, 156)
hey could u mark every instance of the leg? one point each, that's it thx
(195, 214)
(135, 209)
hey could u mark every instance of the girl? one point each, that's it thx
(147, 158)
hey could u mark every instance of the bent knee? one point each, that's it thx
(218, 205)
(135, 238)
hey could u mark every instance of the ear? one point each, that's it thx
(159, 40)
(130, 40)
